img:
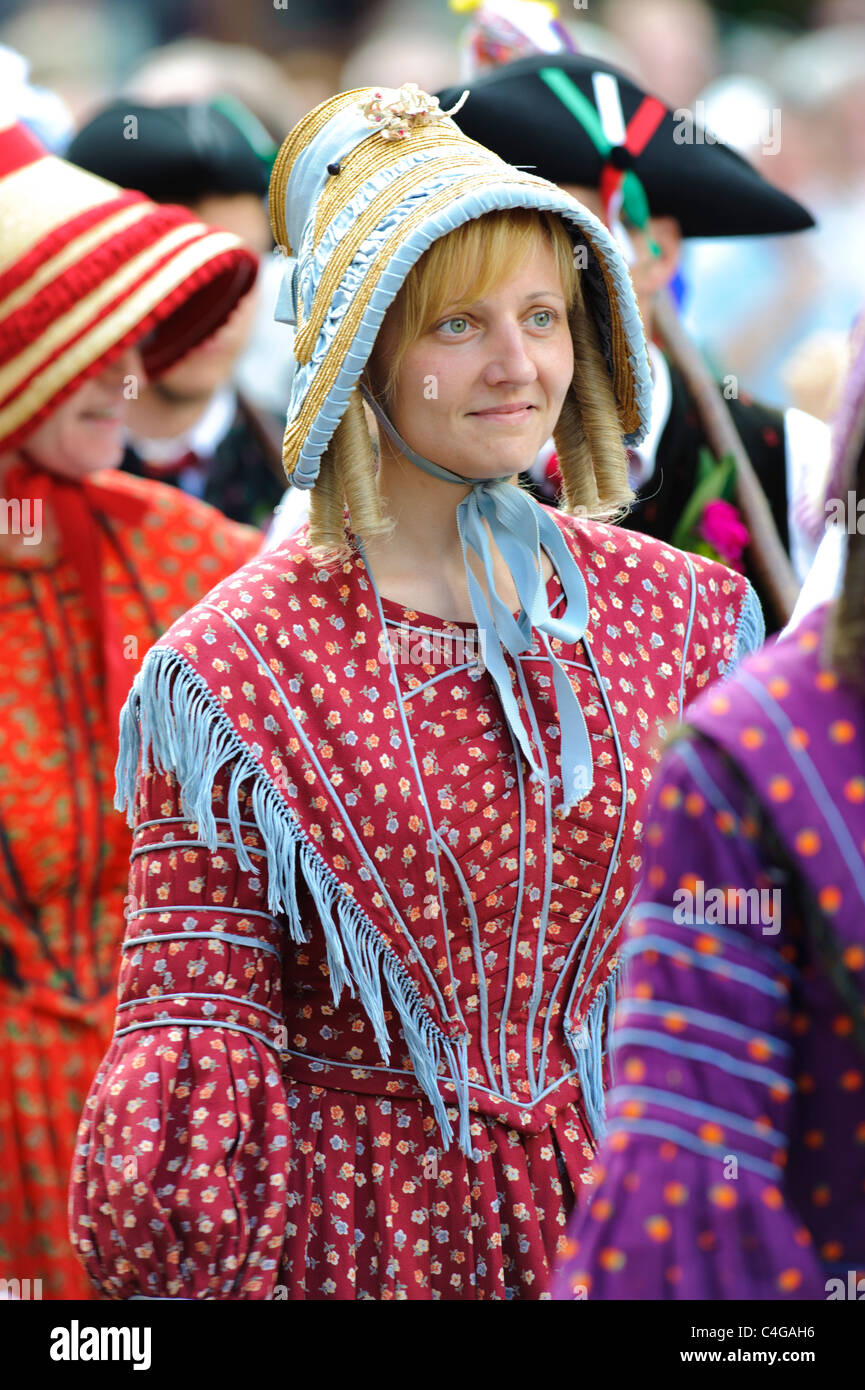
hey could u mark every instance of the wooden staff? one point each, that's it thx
(770, 560)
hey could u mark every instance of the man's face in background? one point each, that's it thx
(650, 272)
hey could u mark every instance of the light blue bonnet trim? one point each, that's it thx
(286, 300)
(309, 173)
(172, 722)
(466, 205)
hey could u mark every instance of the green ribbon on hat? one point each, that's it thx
(635, 204)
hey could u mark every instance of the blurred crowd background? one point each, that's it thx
(784, 83)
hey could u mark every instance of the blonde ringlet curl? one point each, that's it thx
(589, 445)
(588, 435)
(345, 496)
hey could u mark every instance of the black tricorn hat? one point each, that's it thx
(177, 154)
(709, 189)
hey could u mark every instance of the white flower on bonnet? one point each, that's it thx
(395, 113)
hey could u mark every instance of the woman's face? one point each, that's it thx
(481, 391)
(86, 432)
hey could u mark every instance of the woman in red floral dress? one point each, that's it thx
(385, 781)
(94, 566)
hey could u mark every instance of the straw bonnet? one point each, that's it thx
(87, 268)
(362, 186)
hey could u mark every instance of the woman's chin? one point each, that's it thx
(77, 465)
(102, 447)
(511, 456)
(502, 453)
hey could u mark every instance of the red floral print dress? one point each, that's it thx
(243, 1138)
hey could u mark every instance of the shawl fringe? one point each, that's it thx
(172, 718)
(587, 1043)
(750, 631)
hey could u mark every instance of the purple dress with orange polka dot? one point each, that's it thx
(365, 982)
(734, 1163)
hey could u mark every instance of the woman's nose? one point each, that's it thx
(510, 358)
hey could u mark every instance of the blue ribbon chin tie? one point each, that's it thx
(520, 528)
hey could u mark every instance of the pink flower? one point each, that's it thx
(721, 527)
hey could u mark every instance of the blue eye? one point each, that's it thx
(543, 314)
(458, 334)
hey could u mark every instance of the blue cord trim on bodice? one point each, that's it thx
(686, 643)
(252, 942)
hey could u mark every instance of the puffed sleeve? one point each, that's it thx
(180, 1175)
(690, 1199)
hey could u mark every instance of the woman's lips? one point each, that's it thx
(505, 414)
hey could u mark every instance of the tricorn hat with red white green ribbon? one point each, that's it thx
(574, 119)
